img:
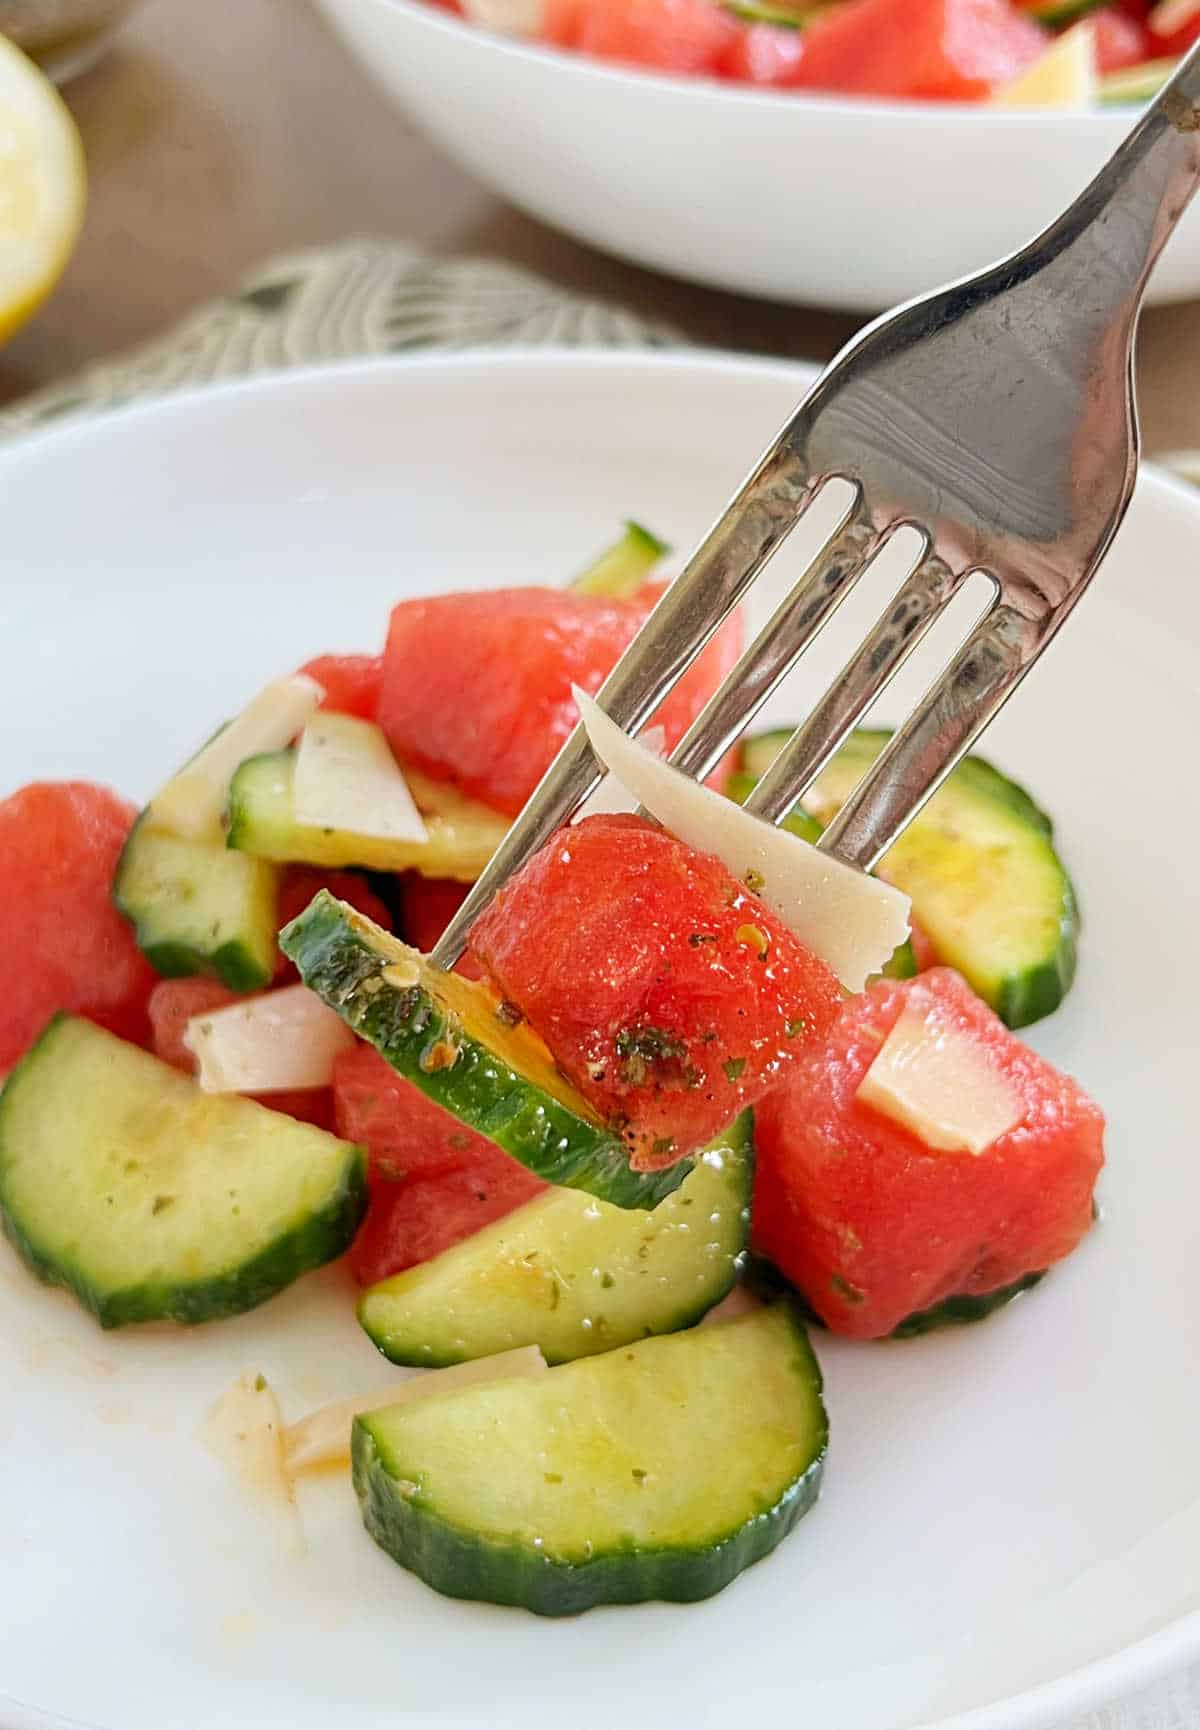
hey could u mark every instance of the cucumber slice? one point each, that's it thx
(963, 1309)
(573, 1275)
(197, 908)
(622, 569)
(153, 1201)
(463, 834)
(445, 1034)
(980, 866)
(1135, 84)
(660, 1470)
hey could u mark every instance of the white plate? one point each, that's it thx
(801, 198)
(1009, 1530)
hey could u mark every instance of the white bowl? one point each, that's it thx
(796, 197)
(1010, 1524)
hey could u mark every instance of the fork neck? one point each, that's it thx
(1105, 244)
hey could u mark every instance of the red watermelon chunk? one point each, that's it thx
(1121, 40)
(952, 50)
(65, 946)
(668, 994)
(669, 35)
(873, 1226)
(411, 1222)
(405, 1133)
(433, 1181)
(174, 1002)
(477, 687)
(351, 683)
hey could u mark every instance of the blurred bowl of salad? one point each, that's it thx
(63, 36)
(846, 154)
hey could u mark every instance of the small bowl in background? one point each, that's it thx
(817, 200)
(63, 36)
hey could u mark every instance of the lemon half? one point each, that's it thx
(43, 186)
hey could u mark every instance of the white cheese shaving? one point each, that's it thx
(853, 922)
(610, 798)
(279, 1042)
(193, 802)
(936, 1082)
(323, 1438)
(347, 779)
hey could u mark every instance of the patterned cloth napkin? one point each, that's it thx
(378, 297)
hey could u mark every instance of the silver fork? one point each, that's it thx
(997, 418)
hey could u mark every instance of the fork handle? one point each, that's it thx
(1110, 237)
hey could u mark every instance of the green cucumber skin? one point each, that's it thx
(338, 963)
(963, 1310)
(322, 1238)
(462, 1564)
(1022, 998)
(621, 569)
(319, 1239)
(903, 964)
(234, 963)
(738, 1138)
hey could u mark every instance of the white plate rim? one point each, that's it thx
(1100, 1682)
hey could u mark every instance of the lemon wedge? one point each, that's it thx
(43, 186)
(1063, 77)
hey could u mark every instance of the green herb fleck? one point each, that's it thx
(664, 1144)
(733, 1067)
(260, 1383)
(161, 1203)
(643, 1048)
(794, 1029)
(607, 1281)
(638, 1475)
(754, 880)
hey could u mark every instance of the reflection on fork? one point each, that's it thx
(995, 418)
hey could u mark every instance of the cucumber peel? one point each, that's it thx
(197, 908)
(572, 1275)
(150, 1200)
(980, 865)
(261, 823)
(622, 568)
(444, 1033)
(659, 1470)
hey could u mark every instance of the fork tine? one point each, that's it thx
(915, 606)
(716, 578)
(950, 717)
(774, 650)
